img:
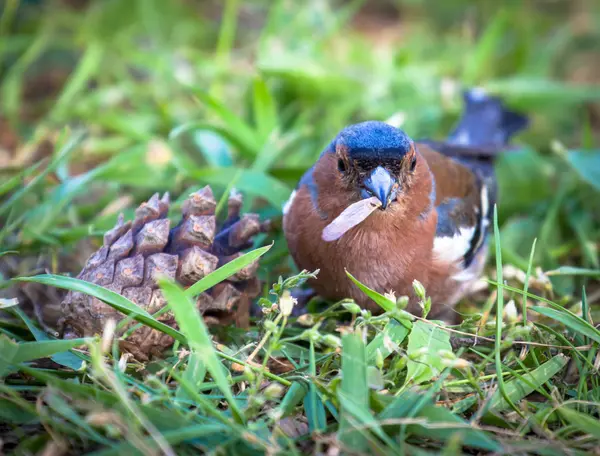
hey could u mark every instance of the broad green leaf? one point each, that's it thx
(218, 130)
(587, 165)
(427, 340)
(354, 390)
(193, 327)
(571, 321)
(519, 388)
(310, 76)
(518, 234)
(386, 341)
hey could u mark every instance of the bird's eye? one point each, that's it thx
(341, 165)
(413, 164)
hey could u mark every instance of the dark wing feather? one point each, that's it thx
(462, 212)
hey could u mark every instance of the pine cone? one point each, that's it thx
(135, 253)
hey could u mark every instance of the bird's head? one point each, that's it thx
(374, 159)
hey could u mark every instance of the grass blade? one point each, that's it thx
(573, 271)
(313, 405)
(41, 349)
(65, 151)
(237, 127)
(442, 425)
(518, 388)
(192, 326)
(526, 284)
(226, 271)
(581, 421)
(577, 324)
(354, 390)
(111, 298)
(499, 313)
(8, 350)
(194, 374)
(265, 111)
(295, 394)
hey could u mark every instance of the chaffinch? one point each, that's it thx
(390, 210)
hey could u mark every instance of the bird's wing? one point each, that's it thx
(462, 203)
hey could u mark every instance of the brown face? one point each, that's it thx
(383, 174)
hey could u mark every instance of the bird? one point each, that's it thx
(391, 210)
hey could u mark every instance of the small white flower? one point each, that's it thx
(286, 303)
(389, 344)
(390, 295)
(510, 311)
(273, 391)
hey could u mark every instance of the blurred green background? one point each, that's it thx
(104, 102)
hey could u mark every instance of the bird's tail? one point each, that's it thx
(486, 122)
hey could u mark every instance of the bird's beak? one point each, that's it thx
(382, 184)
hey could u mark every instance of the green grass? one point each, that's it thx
(171, 96)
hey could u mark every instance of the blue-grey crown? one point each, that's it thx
(374, 140)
